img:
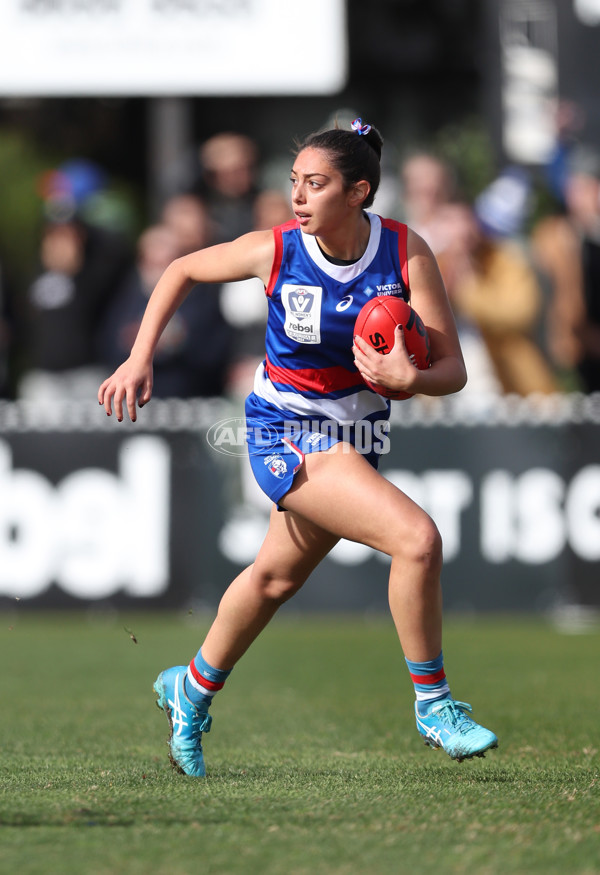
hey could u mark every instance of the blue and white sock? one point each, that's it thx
(429, 679)
(203, 681)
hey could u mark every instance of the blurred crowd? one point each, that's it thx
(525, 288)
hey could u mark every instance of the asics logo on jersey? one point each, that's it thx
(344, 303)
(178, 717)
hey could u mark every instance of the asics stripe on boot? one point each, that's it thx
(186, 722)
(446, 724)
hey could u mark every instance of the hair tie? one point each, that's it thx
(358, 126)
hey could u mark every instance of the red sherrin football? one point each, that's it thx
(376, 324)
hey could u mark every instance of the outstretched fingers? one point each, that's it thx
(121, 391)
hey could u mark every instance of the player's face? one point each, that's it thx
(319, 198)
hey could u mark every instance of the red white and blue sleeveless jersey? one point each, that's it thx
(313, 304)
(308, 393)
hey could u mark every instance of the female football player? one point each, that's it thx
(316, 431)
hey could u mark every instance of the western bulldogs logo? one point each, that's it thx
(302, 306)
(277, 465)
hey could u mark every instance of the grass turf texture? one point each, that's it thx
(315, 765)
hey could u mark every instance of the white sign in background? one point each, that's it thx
(172, 47)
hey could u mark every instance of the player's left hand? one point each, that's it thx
(394, 371)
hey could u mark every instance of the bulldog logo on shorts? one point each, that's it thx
(302, 312)
(277, 465)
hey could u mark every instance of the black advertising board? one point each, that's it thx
(166, 513)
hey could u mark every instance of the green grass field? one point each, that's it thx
(314, 762)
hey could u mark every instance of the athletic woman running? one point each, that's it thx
(316, 431)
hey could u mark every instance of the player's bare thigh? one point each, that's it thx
(292, 549)
(340, 492)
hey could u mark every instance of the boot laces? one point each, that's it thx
(454, 714)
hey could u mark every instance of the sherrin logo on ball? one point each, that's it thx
(376, 324)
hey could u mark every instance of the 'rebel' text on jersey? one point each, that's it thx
(313, 305)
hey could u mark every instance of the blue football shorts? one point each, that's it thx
(278, 442)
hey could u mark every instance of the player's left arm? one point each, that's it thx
(396, 371)
(447, 373)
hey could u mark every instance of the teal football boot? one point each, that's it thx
(186, 722)
(447, 724)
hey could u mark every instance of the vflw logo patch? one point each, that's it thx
(302, 306)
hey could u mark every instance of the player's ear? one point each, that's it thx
(359, 192)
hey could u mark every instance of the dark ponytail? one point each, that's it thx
(356, 154)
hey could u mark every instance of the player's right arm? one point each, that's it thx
(249, 256)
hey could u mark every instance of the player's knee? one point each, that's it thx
(277, 589)
(424, 546)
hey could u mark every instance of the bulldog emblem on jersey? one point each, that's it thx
(276, 465)
(302, 305)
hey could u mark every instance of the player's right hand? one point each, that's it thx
(131, 383)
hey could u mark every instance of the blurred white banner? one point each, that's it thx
(588, 11)
(172, 47)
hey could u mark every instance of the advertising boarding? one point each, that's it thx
(166, 511)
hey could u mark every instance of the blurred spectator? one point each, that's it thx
(69, 189)
(271, 207)
(80, 187)
(228, 171)
(567, 250)
(494, 292)
(569, 120)
(461, 225)
(244, 304)
(427, 184)
(502, 207)
(80, 268)
(187, 216)
(194, 351)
